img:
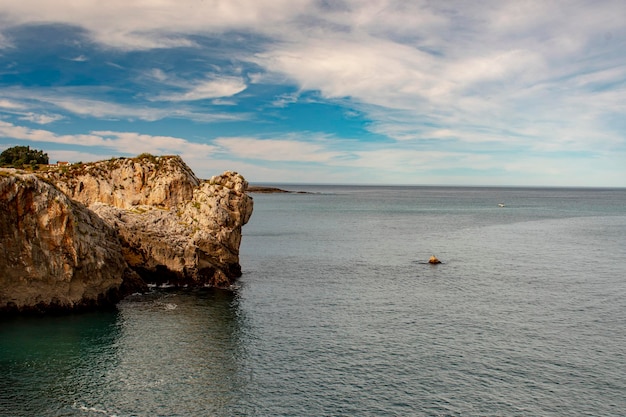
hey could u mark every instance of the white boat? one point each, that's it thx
(500, 204)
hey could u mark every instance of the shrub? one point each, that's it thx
(17, 156)
(147, 156)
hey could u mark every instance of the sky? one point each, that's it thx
(494, 92)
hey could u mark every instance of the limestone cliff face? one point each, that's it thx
(163, 181)
(173, 227)
(195, 243)
(78, 235)
(56, 254)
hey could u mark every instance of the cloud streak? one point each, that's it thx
(127, 143)
(210, 89)
(277, 149)
(73, 100)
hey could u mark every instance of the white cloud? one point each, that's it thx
(126, 40)
(371, 70)
(158, 74)
(74, 156)
(41, 119)
(276, 149)
(541, 170)
(285, 99)
(129, 143)
(135, 143)
(209, 89)
(413, 161)
(11, 105)
(495, 73)
(72, 100)
(104, 109)
(20, 110)
(137, 24)
(4, 42)
(517, 66)
(223, 102)
(213, 86)
(9, 130)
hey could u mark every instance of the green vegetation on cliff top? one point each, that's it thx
(18, 156)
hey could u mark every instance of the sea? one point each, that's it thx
(339, 313)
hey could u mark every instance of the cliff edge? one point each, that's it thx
(82, 235)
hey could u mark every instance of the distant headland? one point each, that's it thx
(265, 190)
(271, 190)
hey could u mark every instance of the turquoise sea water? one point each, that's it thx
(338, 314)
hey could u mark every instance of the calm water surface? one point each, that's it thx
(338, 314)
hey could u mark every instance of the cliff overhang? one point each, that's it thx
(85, 235)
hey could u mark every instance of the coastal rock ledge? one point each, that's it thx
(86, 235)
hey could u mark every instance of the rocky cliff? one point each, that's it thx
(161, 221)
(56, 254)
(162, 181)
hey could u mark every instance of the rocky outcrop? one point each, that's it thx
(195, 243)
(162, 181)
(156, 219)
(56, 254)
(433, 260)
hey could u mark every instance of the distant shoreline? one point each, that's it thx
(266, 190)
(270, 190)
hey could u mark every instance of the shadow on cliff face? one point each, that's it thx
(209, 275)
(160, 276)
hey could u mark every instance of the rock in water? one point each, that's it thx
(433, 260)
(77, 236)
(56, 254)
(173, 227)
(194, 243)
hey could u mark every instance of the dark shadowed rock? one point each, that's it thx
(56, 254)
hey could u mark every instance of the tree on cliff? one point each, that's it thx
(22, 155)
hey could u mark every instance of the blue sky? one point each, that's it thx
(318, 91)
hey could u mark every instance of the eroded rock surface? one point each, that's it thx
(56, 254)
(79, 235)
(194, 243)
(163, 181)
